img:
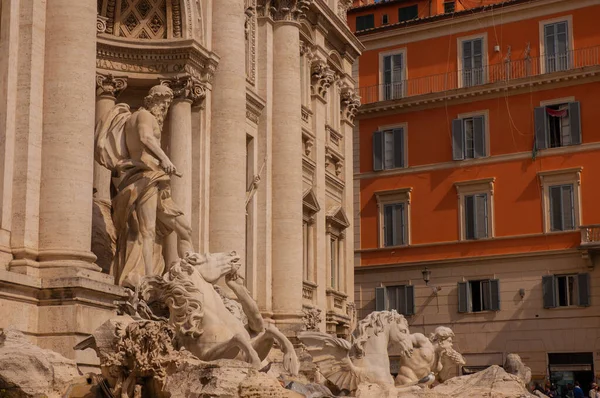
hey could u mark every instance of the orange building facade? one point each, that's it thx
(477, 156)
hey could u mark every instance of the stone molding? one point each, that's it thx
(254, 106)
(322, 77)
(250, 29)
(101, 24)
(350, 102)
(311, 318)
(343, 6)
(187, 88)
(283, 10)
(109, 85)
(152, 60)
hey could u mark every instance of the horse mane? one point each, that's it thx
(181, 296)
(374, 322)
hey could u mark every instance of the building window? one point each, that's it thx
(384, 19)
(336, 223)
(449, 7)
(475, 208)
(334, 263)
(310, 207)
(557, 125)
(408, 13)
(388, 149)
(393, 76)
(472, 61)
(566, 290)
(469, 138)
(394, 214)
(365, 22)
(476, 216)
(562, 211)
(561, 199)
(400, 298)
(394, 224)
(556, 44)
(479, 295)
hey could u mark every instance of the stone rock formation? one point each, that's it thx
(515, 366)
(28, 371)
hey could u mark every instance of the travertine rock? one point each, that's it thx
(27, 370)
(514, 365)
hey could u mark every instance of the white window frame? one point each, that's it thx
(551, 178)
(465, 188)
(486, 133)
(484, 54)
(396, 196)
(384, 54)
(565, 18)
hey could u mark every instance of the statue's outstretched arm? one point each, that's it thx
(255, 320)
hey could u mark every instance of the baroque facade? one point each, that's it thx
(260, 129)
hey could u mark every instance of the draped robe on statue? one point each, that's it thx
(135, 181)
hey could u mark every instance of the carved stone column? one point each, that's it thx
(287, 166)
(228, 137)
(187, 92)
(108, 88)
(67, 142)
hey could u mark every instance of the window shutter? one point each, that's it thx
(380, 299)
(556, 219)
(388, 225)
(479, 136)
(549, 291)
(410, 300)
(398, 148)
(470, 230)
(568, 212)
(400, 219)
(387, 69)
(463, 297)
(575, 121)
(541, 126)
(583, 284)
(495, 294)
(481, 216)
(378, 151)
(458, 141)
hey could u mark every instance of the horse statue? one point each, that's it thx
(202, 317)
(366, 359)
(433, 358)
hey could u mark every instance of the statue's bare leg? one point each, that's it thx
(147, 221)
(255, 319)
(263, 343)
(183, 231)
(219, 350)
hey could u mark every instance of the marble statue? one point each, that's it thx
(433, 358)
(128, 144)
(366, 359)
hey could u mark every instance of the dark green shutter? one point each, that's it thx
(583, 285)
(469, 210)
(568, 209)
(378, 151)
(388, 225)
(495, 294)
(541, 127)
(463, 297)
(479, 136)
(549, 291)
(410, 300)
(398, 147)
(380, 299)
(481, 216)
(556, 213)
(458, 141)
(575, 122)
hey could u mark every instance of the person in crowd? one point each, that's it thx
(594, 391)
(577, 391)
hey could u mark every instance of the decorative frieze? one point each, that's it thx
(108, 85)
(283, 10)
(311, 318)
(250, 29)
(350, 102)
(343, 6)
(187, 88)
(322, 77)
(335, 159)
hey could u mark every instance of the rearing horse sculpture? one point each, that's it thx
(203, 324)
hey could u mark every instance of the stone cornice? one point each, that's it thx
(254, 106)
(492, 90)
(152, 59)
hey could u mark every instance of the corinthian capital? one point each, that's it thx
(350, 102)
(187, 88)
(283, 10)
(322, 78)
(108, 85)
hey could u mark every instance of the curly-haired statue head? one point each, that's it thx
(157, 102)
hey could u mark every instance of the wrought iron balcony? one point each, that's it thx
(505, 72)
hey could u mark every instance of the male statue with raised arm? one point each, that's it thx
(128, 144)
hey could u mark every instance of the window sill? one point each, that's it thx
(468, 160)
(479, 312)
(394, 247)
(568, 307)
(567, 231)
(390, 169)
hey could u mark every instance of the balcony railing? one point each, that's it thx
(504, 72)
(590, 235)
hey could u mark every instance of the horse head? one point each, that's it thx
(387, 326)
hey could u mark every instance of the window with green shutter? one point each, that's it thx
(468, 138)
(476, 216)
(479, 295)
(365, 22)
(556, 45)
(408, 13)
(393, 76)
(562, 210)
(400, 298)
(394, 224)
(473, 72)
(566, 290)
(557, 125)
(388, 149)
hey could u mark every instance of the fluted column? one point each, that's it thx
(187, 92)
(108, 88)
(67, 143)
(287, 167)
(228, 135)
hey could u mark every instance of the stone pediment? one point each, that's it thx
(309, 201)
(336, 217)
